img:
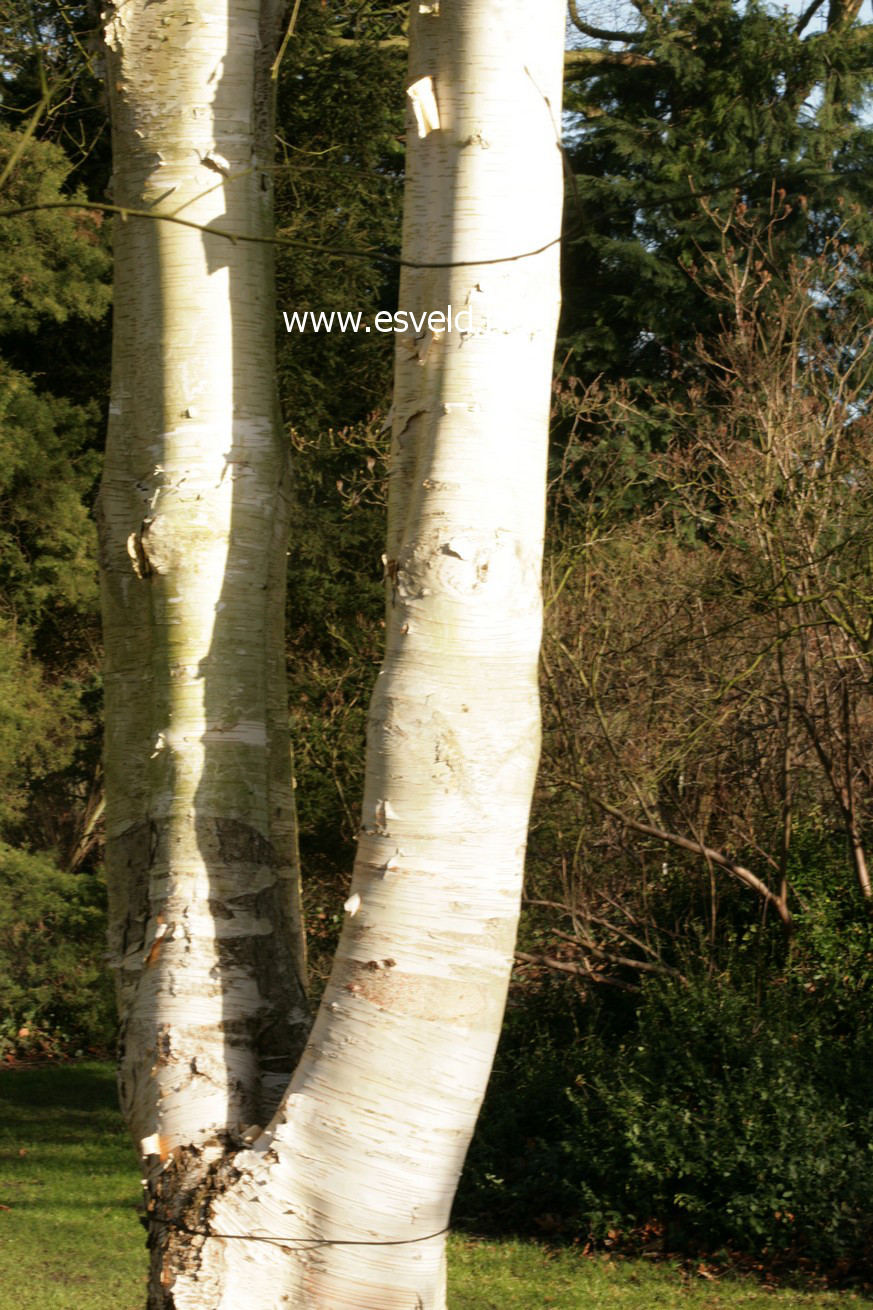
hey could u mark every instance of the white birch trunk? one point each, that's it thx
(205, 928)
(351, 1185)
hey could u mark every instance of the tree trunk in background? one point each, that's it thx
(350, 1186)
(204, 906)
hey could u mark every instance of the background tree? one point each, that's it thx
(54, 292)
(716, 100)
(750, 585)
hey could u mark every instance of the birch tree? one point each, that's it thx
(333, 1192)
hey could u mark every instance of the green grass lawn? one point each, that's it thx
(70, 1238)
(523, 1276)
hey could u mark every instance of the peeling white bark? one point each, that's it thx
(351, 1183)
(363, 1156)
(205, 928)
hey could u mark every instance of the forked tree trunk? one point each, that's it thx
(342, 1201)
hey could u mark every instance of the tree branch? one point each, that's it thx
(576, 62)
(603, 33)
(807, 15)
(843, 796)
(125, 214)
(842, 14)
(739, 871)
(386, 43)
(626, 961)
(578, 970)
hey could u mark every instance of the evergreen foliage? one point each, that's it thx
(55, 991)
(727, 1112)
(54, 295)
(339, 187)
(57, 270)
(733, 106)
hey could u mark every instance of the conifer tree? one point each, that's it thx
(729, 102)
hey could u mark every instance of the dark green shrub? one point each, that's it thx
(730, 1119)
(55, 989)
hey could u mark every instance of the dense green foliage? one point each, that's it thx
(733, 105)
(55, 293)
(729, 1111)
(54, 353)
(55, 991)
(339, 188)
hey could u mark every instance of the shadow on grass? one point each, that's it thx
(65, 1087)
(73, 1206)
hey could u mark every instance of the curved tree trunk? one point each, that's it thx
(349, 1188)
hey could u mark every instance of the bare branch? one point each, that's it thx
(603, 33)
(626, 961)
(374, 256)
(578, 62)
(386, 43)
(843, 796)
(578, 970)
(739, 871)
(808, 14)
